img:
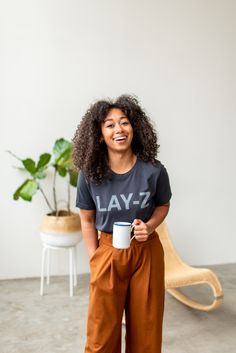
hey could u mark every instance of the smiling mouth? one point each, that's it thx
(120, 138)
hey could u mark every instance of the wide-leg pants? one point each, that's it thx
(126, 279)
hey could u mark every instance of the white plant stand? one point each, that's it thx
(57, 242)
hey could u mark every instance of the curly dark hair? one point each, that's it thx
(90, 154)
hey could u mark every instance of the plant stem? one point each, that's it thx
(14, 155)
(45, 198)
(68, 192)
(54, 190)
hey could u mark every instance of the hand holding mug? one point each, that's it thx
(125, 232)
(141, 230)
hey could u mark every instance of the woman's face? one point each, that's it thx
(117, 131)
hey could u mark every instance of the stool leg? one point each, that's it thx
(74, 266)
(71, 270)
(48, 266)
(42, 269)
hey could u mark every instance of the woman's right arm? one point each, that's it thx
(89, 231)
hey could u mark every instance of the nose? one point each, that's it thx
(118, 127)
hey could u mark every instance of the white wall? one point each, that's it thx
(178, 57)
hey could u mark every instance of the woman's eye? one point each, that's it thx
(111, 126)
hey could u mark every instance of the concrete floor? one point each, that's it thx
(56, 322)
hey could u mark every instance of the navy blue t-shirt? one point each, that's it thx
(124, 197)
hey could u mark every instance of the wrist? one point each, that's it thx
(91, 251)
(150, 228)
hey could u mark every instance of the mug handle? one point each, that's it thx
(132, 232)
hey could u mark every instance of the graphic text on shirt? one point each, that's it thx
(123, 202)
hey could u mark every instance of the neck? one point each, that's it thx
(122, 163)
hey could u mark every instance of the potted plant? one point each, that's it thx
(59, 226)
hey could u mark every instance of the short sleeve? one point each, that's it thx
(163, 190)
(84, 199)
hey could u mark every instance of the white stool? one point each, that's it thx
(54, 242)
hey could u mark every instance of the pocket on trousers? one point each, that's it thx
(94, 254)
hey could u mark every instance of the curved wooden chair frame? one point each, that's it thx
(178, 274)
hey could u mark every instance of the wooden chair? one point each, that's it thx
(178, 274)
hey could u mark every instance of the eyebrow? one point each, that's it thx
(110, 119)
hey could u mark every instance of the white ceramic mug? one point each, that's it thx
(121, 237)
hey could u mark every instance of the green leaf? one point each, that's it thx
(61, 148)
(26, 190)
(62, 153)
(62, 171)
(29, 165)
(40, 174)
(65, 159)
(43, 160)
(73, 177)
(42, 165)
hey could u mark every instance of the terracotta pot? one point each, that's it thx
(62, 230)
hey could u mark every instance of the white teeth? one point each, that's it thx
(120, 138)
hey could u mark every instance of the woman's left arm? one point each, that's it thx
(143, 230)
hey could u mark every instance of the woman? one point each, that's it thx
(115, 147)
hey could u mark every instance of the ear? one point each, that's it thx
(101, 139)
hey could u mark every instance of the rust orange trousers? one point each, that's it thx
(126, 279)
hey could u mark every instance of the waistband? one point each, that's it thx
(106, 238)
